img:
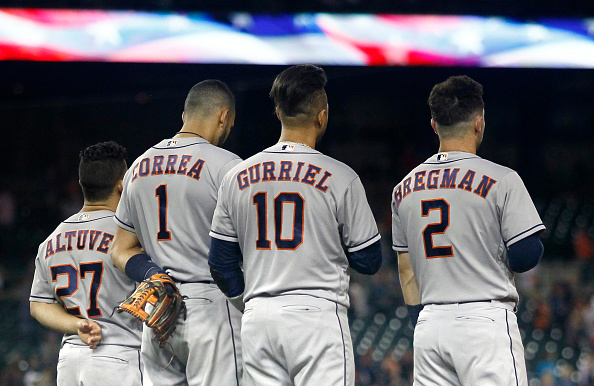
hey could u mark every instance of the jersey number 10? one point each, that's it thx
(260, 201)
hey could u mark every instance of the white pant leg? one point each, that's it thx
(205, 348)
(296, 339)
(105, 365)
(469, 344)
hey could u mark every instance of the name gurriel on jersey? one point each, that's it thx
(448, 181)
(143, 168)
(266, 172)
(85, 239)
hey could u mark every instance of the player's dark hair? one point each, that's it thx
(208, 96)
(455, 100)
(299, 90)
(101, 167)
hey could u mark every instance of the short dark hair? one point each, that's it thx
(206, 97)
(101, 167)
(298, 89)
(455, 100)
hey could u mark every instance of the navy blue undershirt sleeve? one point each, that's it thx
(140, 267)
(525, 254)
(224, 259)
(367, 260)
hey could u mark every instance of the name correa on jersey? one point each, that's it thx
(435, 179)
(265, 171)
(85, 239)
(156, 165)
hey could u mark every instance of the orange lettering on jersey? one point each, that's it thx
(398, 195)
(419, 182)
(406, 189)
(448, 181)
(93, 236)
(285, 169)
(466, 182)
(320, 186)
(254, 173)
(171, 161)
(104, 244)
(144, 167)
(242, 179)
(49, 249)
(69, 236)
(310, 174)
(432, 179)
(134, 173)
(157, 165)
(82, 239)
(484, 186)
(298, 172)
(196, 170)
(59, 248)
(268, 174)
(183, 164)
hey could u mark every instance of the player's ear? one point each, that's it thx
(434, 126)
(183, 116)
(322, 117)
(120, 186)
(277, 111)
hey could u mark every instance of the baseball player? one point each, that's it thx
(462, 226)
(76, 287)
(295, 219)
(163, 220)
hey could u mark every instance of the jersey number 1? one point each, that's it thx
(436, 228)
(296, 240)
(161, 194)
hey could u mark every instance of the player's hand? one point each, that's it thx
(89, 332)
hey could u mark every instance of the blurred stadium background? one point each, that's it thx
(539, 122)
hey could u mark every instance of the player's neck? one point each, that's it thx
(467, 145)
(110, 204)
(305, 136)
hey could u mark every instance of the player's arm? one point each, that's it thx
(410, 287)
(128, 256)
(224, 259)
(367, 260)
(525, 254)
(55, 317)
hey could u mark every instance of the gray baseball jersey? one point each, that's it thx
(169, 197)
(293, 210)
(73, 267)
(456, 214)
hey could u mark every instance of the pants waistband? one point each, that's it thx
(505, 303)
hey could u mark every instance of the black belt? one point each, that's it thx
(194, 282)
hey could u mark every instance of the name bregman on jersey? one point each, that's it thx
(266, 171)
(443, 179)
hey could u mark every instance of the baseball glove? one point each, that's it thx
(159, 291)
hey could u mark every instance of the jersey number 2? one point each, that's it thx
(296, 240)
(436, 228)
(68, 269)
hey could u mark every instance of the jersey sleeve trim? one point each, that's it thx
(122, 224)
(364, 244)
(525, 234)
(42, 299)
(222, 236)
(400, 248)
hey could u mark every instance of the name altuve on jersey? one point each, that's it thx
(435, 179)
(265, 171)
(85, 239)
